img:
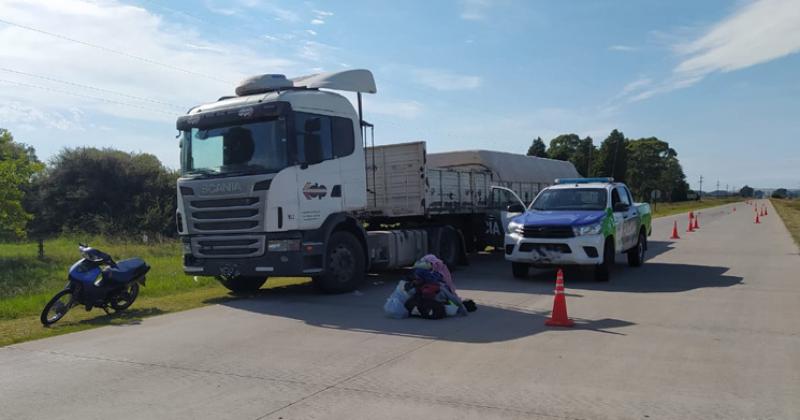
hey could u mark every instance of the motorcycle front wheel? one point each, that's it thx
(57, 307)
(125, 297)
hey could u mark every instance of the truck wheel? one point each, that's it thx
(242, 284)
(449, 247)
(636, 254)
(344, 264)
(602, 271)
(520, 270)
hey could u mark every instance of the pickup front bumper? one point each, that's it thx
(579, 250)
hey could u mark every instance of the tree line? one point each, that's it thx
(84, 189)
(644, 164)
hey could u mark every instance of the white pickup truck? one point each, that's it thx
(578, 221)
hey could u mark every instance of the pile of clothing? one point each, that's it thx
(428, 292)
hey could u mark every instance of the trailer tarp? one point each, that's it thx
(506, 167)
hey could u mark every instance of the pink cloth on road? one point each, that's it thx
(440, 267)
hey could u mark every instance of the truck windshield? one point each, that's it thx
(258, 147)
(571, 199)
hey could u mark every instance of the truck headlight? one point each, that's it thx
(515, 228)
(593, 229)
(283, 245)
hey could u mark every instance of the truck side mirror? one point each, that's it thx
(620, 207)
(515, 208)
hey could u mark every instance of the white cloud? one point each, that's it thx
(636, 85)
(756, 33)
(445, 80)
(317, 22)
(311, 32)
(474, 9)
(398, 109)
(26, 116)
(320, 16)
(163, 50)
(322, 13)
(623, 48)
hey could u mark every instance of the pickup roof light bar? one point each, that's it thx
(582, 180)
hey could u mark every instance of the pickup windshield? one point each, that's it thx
(258, 147)
(571, 199)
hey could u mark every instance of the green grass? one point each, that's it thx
(27, 283)
(668, 209)
(789, 210)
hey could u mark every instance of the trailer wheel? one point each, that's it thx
(242, 284)
(344, 264)
(449, 247)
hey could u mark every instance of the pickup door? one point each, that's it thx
(626, 218)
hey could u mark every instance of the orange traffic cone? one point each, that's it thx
(765, 211)
(761, 213)
(689, 228)
(757, 219)
(696, 222)
(734, 209)
(675, 230)
(559, 317)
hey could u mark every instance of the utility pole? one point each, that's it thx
(717, 185)
(700, 193)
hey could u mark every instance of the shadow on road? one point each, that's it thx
(127, 317)
(364, 312)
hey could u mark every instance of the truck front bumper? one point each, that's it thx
(303, 260)
(579, 250)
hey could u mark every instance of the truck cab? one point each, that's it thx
(578, 221)
(268, 176)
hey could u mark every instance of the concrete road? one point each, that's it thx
(708, 328)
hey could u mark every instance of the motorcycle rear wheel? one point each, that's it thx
(123, 299)
(58, 306)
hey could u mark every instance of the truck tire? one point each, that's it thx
(344, 264)
(449, 247)
(520, 270)
(636, 254)
(242, 284)
(602, 272)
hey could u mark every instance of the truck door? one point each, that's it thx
(498, 214)
(319, 177)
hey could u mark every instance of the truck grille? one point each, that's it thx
(547, 232)
(231, 215)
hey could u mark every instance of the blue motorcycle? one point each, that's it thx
(97, 281)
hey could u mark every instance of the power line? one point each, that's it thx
(113, 51)
(52, 79)
(111, 101)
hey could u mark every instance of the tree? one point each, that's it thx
(572, 148)
(105, 191)
(537, 148)
(612, 158)
(18, 164)
(780, 193)
(746, 191)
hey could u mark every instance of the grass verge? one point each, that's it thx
(789, 210)
(668, 209)
(27, 283)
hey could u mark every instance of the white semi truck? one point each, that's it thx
(278, 181)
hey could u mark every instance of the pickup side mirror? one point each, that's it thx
(621, 207)
(515, 208)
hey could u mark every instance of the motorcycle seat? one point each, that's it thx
(127, 270)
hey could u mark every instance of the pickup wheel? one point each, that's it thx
(602, 271)
(242, 284)
(344, 264)
(636, 254)
(520, 270)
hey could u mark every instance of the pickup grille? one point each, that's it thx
(547, 232)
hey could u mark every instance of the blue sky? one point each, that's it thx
(718, 80)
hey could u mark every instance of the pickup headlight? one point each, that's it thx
(593, 229)
(515, 228)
